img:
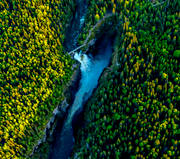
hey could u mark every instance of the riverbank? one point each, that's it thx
(41, 150)
(33, 70)
(91, 69)
(134, 111)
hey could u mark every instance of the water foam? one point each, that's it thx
(91, 69)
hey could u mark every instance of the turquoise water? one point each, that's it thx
(91, 69)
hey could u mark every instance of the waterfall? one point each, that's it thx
(91, 69)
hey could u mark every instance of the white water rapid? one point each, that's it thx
(91, 69)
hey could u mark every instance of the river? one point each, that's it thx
(91, 69)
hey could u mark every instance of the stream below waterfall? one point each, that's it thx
(91, 69)
(59, 139)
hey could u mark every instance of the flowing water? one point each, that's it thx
(91, 69)
(76, 25)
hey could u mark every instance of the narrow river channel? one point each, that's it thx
(91, 69)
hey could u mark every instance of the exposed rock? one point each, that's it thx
(60, 111)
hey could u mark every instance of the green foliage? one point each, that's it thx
(176, 53)
(136, 114)
(33, 70)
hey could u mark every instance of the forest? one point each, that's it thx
(34, 70)
(134, 111)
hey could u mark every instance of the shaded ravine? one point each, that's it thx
(70, 42)
(59, 135)
(91, 69)
(76, 24)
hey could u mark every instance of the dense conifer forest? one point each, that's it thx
(33, 70)
(133, 113)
